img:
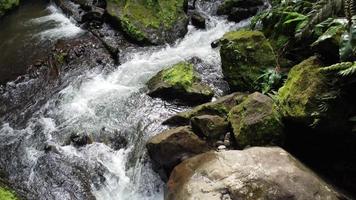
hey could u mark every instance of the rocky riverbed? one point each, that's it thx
(178, 100)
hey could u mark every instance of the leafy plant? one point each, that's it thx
(270, 80)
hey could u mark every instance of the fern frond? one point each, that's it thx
(338, 67)
(349, 71)
(328, 9)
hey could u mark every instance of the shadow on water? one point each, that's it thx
(26, 34)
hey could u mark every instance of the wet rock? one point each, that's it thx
(255, 122)
(244, 56)
(215, 44)
(95, 14)
(238, 14)
(171, 147)
(154, 22)
(220, 107)
(180, 82)
(211, 126)
(198, 19)
(237, 10)
(80, 139)
(255, 173)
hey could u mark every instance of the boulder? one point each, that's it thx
(198, 19)
(237, 10)
(154, 22)
(180, 82)
(220, 107)
(171, 147)
(6, 5)
(210, 126)
(328, 43)
(255, 122)
(315, 98)
(244, 57)
(254, 173)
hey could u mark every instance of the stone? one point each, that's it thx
(169, 148)
(220, 107)
(237, 10)
(244, 56)
(154, 22)
(180, 82)
(314, 97)
(211, 126)
(255, 122)
(254, 173)
(198, 19)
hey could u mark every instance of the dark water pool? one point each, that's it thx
(27, 33)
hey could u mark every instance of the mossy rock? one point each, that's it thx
(180, 82)
(6, 193)
(244, 56)
(297, 99)
(315, 98)
(6, 5)
(255, 122)
(150, 21)
(221, 107)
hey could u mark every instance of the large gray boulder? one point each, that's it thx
(257, 173)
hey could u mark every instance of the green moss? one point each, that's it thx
(244, 56)
(180, 75)
(220, 107)
(137, 17)
(297, 98)
(6, 194)
(6, 5)
(255, 122)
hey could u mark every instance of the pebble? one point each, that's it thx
(221, 147)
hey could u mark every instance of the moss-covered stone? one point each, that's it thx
(6, 194)
(6, 5)
(244, 56)
(150, 21)
(317, 96)
(297, 99)
(220, 107)
(180, 82)
(255, 122)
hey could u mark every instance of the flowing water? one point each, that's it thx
(101, 104)
(31, 28)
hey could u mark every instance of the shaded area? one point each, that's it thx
(332, 156)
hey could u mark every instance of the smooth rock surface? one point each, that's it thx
(256, 173)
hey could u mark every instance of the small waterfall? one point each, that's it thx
(100, 103)
(59, 26)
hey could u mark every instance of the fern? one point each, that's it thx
(320, 12)
(349, 71)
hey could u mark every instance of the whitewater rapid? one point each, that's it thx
(98, 102)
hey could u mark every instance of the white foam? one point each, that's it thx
(64, 27)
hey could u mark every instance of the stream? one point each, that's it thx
(98, 103)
